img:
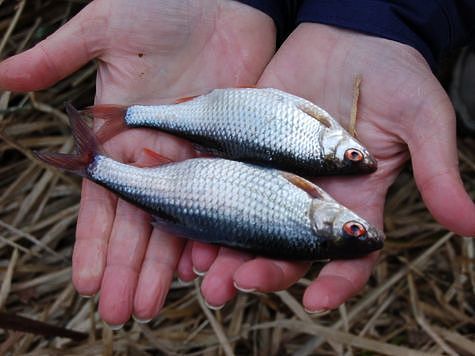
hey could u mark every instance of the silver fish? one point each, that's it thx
(265, 126)
(262, 210)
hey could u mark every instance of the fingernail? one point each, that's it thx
(86, 296)
(241, 289)
(318, 312)
(115, 327)
(214, 307)
(183, 283)
(141, 321)
(199, 273)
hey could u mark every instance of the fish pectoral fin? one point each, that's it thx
(316, 113)
(153, 159)
(173, 228)
(310, 188)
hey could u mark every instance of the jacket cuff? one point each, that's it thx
(424, 25)
(275, 9)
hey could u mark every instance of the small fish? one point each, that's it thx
(258, 209)
(264, 126)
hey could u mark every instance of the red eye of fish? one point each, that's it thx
(354, 229)
(354, 155)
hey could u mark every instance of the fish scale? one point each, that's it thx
(258, 209)
(238, 123)
(223, 194)
(265, 126)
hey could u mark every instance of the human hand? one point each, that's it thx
(403, 110)
(148, 51)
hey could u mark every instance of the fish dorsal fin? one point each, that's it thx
(153, 159)
(189, 98)
(310, 188)
(185, 99)
(316, 114)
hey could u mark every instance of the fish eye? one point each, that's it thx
(354, 228)
(354, 155)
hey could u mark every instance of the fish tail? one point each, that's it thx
(87, 147)
(114, 119)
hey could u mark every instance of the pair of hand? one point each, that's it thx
(152, 51)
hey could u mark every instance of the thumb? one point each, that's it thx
(432, 143)
(59, 55)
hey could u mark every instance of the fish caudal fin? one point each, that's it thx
(110, 129)
(87, 146)
(113, 116)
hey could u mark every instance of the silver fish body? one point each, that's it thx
(240, 205)
(265, 126)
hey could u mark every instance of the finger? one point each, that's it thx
(203, 256)
(59, 55)
(185, 266)
(432, 143)
(218, 287)
(129, 238)
(94, 225)
(156, 275)
(266, 275)
(97, 210)
(365, 194)
(337, 282)
(340, 280)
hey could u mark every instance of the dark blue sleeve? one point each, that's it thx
(276, 9)
(283, 12)
(430, 26)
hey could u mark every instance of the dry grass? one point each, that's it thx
(420, 300)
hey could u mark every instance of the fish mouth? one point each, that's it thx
(375, 242)
(376, 237)
(367, 165)
(370, 164)
(356, 248)
(374, 245)
(354, 251)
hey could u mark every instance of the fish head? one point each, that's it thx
(345, 154)
(342, 233)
